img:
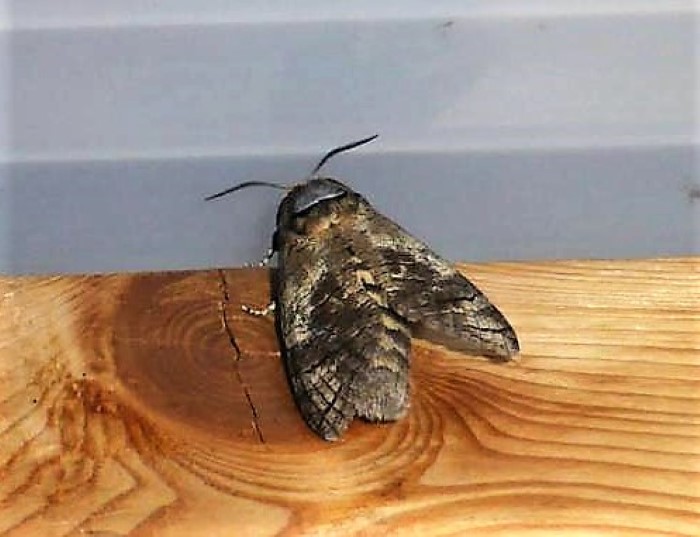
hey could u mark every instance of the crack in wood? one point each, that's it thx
(226, 298)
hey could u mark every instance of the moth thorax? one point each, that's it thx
(317, 222)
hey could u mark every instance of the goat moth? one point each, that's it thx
(350, 290)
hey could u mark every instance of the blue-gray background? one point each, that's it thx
(510, 129)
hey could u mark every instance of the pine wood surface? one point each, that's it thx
(149, 404)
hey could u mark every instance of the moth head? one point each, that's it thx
(313, 198)
(305, 196)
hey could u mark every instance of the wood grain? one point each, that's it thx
(148, 404)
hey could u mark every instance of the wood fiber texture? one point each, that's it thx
(149, 404)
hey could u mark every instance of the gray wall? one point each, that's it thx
(509, 130)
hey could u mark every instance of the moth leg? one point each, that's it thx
(263, 312)
(265, 261)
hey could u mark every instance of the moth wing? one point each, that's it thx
(439, 302)
(346, 354)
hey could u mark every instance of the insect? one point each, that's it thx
(351, 289)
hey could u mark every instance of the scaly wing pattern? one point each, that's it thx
(421, 287)
(345, 350)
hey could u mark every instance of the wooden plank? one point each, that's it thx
(149, 404)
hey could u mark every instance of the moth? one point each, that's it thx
(351, 289)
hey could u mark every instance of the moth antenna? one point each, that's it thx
(243, 185)
(342, 148)
(327, 156)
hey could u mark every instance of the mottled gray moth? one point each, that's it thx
(351, 288)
